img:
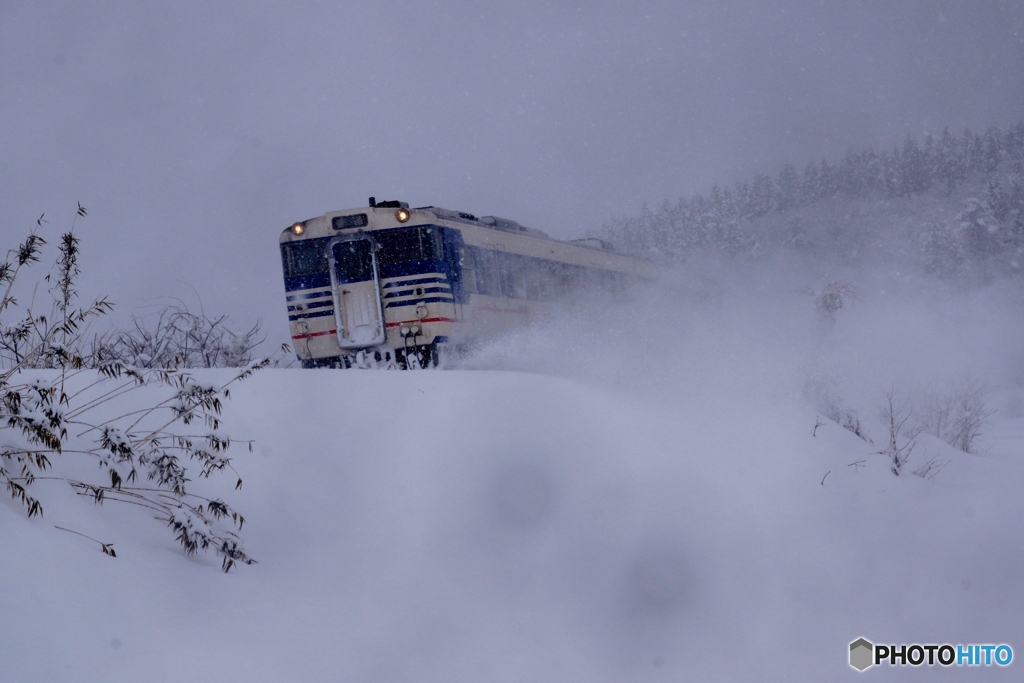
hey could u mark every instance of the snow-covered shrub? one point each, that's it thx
(958, 414)
(895, 414)
(113, 432)
(832, 406)
(175, 337)
(822, 390)
(832, 297)
(930, 467)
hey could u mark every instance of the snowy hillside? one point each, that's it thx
(651, 507)
(950, 206)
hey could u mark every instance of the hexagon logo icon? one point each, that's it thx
(861, 654)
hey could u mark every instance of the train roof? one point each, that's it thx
(506, 224)
(491, 222)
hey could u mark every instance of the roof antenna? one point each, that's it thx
(373, 202)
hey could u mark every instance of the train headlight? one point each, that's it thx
(402, 215)
(298, 229)
(404, 330)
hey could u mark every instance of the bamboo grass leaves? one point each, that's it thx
(111, 431)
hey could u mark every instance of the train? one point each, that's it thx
(404, 287)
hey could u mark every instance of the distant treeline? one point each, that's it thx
(741, 219)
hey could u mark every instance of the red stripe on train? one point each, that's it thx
(313, 334)
(405, 322)
(425, 320)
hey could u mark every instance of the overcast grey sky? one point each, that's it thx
(195, 131)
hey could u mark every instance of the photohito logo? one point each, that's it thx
(863, 654)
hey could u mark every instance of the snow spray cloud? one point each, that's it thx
(786, 324)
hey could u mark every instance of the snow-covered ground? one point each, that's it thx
(653, 507)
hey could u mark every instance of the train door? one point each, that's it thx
(355, 281)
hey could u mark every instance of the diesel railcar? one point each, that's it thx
(399, 286)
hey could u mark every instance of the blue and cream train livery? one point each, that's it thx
(390, 284)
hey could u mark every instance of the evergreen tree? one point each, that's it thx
(992, 150)
(946, 168)
(788, 184)
(912, 169)
(811, 183)
(744, 202)
(762, 195)
(828, 180)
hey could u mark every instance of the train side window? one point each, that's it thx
(430, 244)
(557, 286)
(569, 278)
(487, 281)
(514, 285)
(498, 268)
(555, 273)
(467, 262)
(588, 279)
(618, 283)
(560, 271)
(506, 273)
(531, 275)
(546, 278)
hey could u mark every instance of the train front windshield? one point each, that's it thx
(408, 250)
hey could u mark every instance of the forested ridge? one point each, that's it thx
(866, 205)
